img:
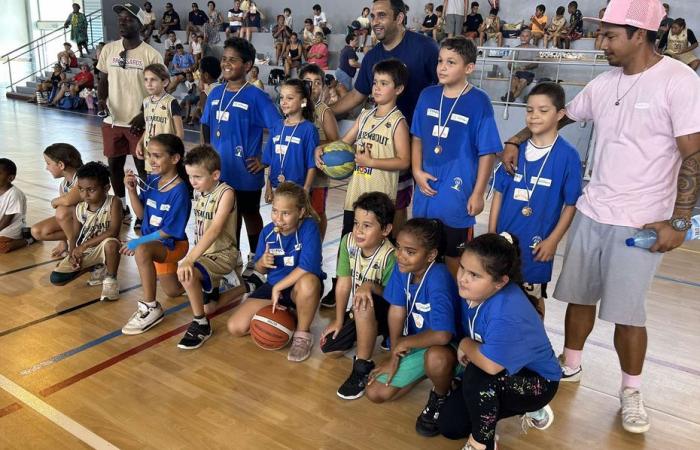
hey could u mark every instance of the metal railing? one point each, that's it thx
(38, 45)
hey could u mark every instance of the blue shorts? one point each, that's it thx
(264, 292)
(344, 79)
(234, 29)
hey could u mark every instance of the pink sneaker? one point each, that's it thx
(302, 341)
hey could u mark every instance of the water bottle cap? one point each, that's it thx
(629, 242)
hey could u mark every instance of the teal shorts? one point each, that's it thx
(411, 369)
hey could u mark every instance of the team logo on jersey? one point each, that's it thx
(457, 186)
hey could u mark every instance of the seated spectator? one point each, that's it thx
(308, 34)
(556, 29)
(280, 34)
(439, 30)
(365, 27)
(67, 58)
(78, 28)
(318, 52)
(251, 22)
(170, 44)
(214, 24)
(183, 63)
(81, 80)
(46, 89)
(320, 19)
(292, 59)
(491, 29)
(522, 72)
(197, 47)
(196, 21)
(13, 210)
(575, 30)
(190, 101)
(598, 34)
(349, 62)
(170, 21)
(149, 25)
(253, 78)
(429, 21)
(288, 19)
(538, 23)
(235, 20)
(666, 23)
(473, 22)
(679, 44)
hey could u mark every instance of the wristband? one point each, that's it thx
(132, 244)
(511, 143)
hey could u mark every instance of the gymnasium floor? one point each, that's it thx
(70, 379)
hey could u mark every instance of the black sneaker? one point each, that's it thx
(426, 424)
(328, 301)
(209, 297)
(354, 386)
(386, 344)
(195, 336)
(137, 223)
(253, 280)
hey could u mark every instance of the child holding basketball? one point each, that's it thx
(164, 206)
(327, 128)
(95, 237)
(455, 140)
(62, 161)
(13, 210)
(511, 368)
(289, 152)
(381, 139)
(235, 114)
(365, 262)
(214, 254)
(422, 322)
(289, 252)
(548, 178)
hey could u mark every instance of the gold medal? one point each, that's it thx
(438, 149)
(527, 211)
(280, 178)
(218, 133)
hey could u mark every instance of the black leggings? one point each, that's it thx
(116, 173)
(485, 399)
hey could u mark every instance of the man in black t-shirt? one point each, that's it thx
(170, 22)
(472, 22)
(196, 20)
(429, 21)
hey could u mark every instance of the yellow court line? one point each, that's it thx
(54, 415)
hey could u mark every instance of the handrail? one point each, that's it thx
(31, 49)
(46, 35)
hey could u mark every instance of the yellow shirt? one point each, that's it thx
(539, 24)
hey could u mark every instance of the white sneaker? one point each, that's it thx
(110, 289)
(143, 319)
(634, 416)
(568, 374)
(228, 282)
(97, 275)
(545, 418)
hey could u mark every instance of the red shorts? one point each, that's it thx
(318, 199)
(118, 141)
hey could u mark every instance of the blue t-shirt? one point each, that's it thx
(470, 133)
(419, 53)
(511, 333)
(298, 157)
(166, 211)
(237, 136)
(559, 185)
(436, 306)
(300, 249)
(184, 61)
(346, 54)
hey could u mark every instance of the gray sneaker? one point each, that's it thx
(634, 416)
(110, 289)
(144, 318)
(302, 341)
(97, 275)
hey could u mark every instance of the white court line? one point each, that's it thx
(54, 415)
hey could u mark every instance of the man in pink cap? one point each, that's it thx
(646, 175)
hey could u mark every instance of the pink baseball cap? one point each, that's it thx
(644, 14)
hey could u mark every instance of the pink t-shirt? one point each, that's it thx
(636, 160)
(322, 50)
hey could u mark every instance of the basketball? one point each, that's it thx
(272, 331)
(338, 160)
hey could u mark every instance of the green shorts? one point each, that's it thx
(411, 369)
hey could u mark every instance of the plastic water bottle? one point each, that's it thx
(647, 238)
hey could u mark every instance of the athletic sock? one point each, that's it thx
(152, 304)
(202, 320)
(631, 381)
(572, 358)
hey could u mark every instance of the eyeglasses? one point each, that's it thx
(122, 59)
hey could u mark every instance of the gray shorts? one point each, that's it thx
(599, 266)
(453, 24)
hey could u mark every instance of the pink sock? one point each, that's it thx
(572, 358)
(633, 381)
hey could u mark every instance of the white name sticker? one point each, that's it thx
(165, 207)
(445, 131)
(460, 118)
(520, 194)
(152, 203)
(294, 140)
(433, 113)
(155, 221)
(546, 182)
(222, 116)
(243, 106)
(517, 177)
(276, 251)
(418, 320)
(280, 149)
(289, 261)
(214, 102)
(423, 307)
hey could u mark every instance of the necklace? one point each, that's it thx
(527, 210)
(617, 89)
(282, 152)
(411, 302)
(220, 113)
(363, 276)
(171, 181)
(440, 127)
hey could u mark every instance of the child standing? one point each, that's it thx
(215, 252)
(327, 127)
(233, 120)
(382, 147)
(422, 322)
(511, 368)
(161, 111)
(62, 161)
(365, 262)
(289, 252)
(98, 220)
(164, 206)
(289, 152)
(13, 209)
(455, 139)
(529, 204)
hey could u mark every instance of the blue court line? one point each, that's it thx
(676, 280)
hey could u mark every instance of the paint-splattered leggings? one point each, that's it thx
(485, 399)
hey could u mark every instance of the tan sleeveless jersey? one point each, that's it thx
(93, 223)
(158, 116)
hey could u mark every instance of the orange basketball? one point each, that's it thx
(272, 331)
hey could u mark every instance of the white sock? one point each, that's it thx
(202, 320)
(152, 304)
